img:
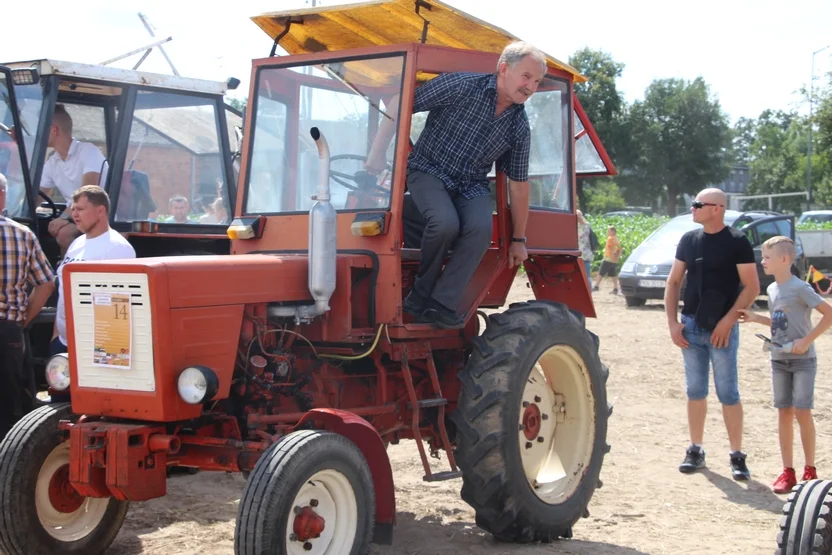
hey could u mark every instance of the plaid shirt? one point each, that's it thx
(462, 138)
(22, 263)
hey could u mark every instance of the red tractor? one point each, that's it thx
(291, 360)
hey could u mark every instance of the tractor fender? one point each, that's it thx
(366, 438)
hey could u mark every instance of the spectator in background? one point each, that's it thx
(22, 265)
(609, 267)
(179, 208)
(585, 234)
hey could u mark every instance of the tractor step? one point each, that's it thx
(428, 403)
(442, 476)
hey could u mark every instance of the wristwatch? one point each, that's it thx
(518, 239)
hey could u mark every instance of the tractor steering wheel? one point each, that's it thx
(364, 182)
(50, 202)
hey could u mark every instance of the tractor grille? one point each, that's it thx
(653, 269)
(140, 376)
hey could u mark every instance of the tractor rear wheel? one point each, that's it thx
(806, 524)
(310, 493)
(532, 422)
(40, 511)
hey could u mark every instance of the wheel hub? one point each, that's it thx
(308, 524)
(62, 495)
(531, 422)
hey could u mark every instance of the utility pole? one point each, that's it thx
(811, 123)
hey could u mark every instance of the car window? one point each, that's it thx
(766, 231)
(784, 227)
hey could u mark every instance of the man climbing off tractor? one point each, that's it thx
(474, 120)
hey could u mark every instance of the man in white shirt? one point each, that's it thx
(90, 212)
(72, 165)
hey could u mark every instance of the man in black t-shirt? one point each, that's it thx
(721, 279)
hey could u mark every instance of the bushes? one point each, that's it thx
(631, 232)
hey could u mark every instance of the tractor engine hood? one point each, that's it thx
(203, 281)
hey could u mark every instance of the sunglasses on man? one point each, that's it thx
(697, 204)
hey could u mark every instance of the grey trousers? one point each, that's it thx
(451, 219)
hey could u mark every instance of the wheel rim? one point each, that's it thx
(63, 513)
(556, 424)
(324, 516)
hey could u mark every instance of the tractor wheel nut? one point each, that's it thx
(528, 445)
(540, 439)
(536, 399)
(307, 546)
(293, 538)
(525, 404)
(544, 416)
(313, 502)
(297, 510)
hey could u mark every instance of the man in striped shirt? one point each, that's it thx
(22, 265)
(474, 121)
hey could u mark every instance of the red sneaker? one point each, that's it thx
(785, 482)
(809, 473)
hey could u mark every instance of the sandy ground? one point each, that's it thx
(645, 506)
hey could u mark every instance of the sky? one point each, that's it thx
(754, 54)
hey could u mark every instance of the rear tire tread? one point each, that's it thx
(487, 487)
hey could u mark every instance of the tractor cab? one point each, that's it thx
(167, 140)
(162, 136)
(341, 79)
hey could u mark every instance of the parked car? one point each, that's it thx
(816, 216)
(644, 274)
(817, 244)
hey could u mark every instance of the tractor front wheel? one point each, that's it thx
(532, 422)
(40, 511)
(310, 493)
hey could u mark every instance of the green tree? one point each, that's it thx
(236, 103)
(604, 196)
(682, 140)
(604, 106)
(777, 164)
(742, 136)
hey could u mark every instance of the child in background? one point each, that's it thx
(609, 266)
(793, 360)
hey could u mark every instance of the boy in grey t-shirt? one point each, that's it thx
(793, 360)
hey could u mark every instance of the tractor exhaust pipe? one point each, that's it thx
(322, 235)
(323, 244)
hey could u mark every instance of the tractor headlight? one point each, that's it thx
(197, 384)
(57, 372)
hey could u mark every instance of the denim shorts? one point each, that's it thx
(793, 382)
(700, 355)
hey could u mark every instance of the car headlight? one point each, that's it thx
(197, 384)
(57, 372)
(628, 267)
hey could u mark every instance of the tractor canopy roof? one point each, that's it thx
(105, 80)
(384, 23)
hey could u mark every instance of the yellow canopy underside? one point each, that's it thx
(387, 22)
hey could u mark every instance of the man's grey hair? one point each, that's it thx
(3, 182)
(518, 50)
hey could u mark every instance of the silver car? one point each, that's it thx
(644, 274)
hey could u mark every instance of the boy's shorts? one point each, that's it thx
(608, 268)
(793, 382)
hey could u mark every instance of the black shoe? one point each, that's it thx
(414, 303)
(739, 470)
(441, 317)
(694, 460)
